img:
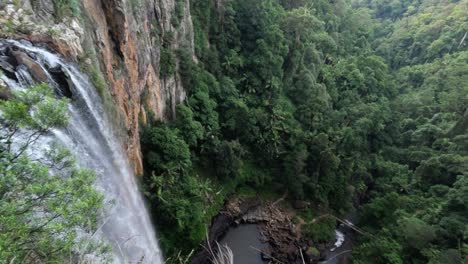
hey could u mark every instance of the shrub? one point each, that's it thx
(321, 231)
(167, 63)
(66, 8)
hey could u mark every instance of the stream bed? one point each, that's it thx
(341, 251)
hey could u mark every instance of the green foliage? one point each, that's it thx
(178, 13)
(45, 200)
(379, 250)
(8, 26)
(184, 200)
(254, 174)
(167, 151)
(419, 31)
(190, 129)
(338, 104)
(177, 194)
(382, 210)
(228, 159)
(422, 163)
(321, 231)
(35, 108)
(415, 233)
(65, 8)
(167, 63)
(98, 81)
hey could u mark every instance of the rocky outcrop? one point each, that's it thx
(5, 94)
(34, 68)
(118, 42)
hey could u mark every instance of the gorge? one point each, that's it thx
(144, 131)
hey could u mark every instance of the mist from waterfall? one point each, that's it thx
(126, 224)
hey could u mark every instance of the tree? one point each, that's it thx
(46, 200)
(341, 106)
(415, 233)
(191, 130)
(378, 250)
(166, 152)
(228, 159)
(381, 211)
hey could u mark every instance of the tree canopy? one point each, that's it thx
(353, 105)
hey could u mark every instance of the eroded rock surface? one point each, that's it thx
(118, 43)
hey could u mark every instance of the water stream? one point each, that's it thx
(126, 226)
(341, 251)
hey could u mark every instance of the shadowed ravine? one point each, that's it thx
(126, 224)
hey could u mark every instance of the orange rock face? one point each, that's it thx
(119, 41)
(124, 39)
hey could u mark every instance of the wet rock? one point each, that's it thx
(5, 93)
(8, 62)
(5, 64)
(34, 68)
(117, 40)
(62, 80)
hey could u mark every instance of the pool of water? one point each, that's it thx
(244, 240)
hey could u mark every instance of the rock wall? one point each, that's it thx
(118, 43)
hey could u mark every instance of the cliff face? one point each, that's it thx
(119, 43)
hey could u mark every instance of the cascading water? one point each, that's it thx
(127, 225)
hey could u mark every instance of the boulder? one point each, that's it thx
(37, 72)
(6, 65)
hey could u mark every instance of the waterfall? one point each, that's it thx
(126, 225)
(340, 238)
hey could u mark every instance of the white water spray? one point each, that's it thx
(340, 238)
(89, 136)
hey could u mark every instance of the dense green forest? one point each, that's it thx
(352, 105)
(349, 105)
